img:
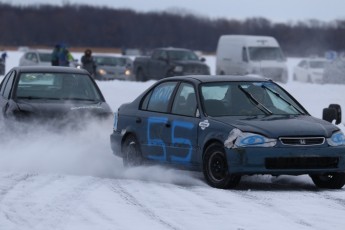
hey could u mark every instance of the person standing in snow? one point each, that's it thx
(65, 57)
(55, 55)
(88, 62)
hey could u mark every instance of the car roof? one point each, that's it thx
(219, 78)
(38, 51)
(172, 49)
(55, 69)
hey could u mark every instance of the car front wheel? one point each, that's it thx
(131, 152)
(215, 168)
(329, 180)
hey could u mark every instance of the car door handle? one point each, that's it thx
(138, 120)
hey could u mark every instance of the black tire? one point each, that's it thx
(131, 153)
(215, 168)
(329, 180)
(140, 76)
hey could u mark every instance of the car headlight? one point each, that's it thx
(337, 139)
(127, 72)
(178, 68)
(102, 72)
(239, 139)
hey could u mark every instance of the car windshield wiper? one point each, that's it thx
(78, 99)
(283, 99)
(258, 104)
(38, 98)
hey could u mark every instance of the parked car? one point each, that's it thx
(113, 67)
(310, 70)
(335, 71)
(229, 126)
(168, 62)
(54, 95)
(36, 58)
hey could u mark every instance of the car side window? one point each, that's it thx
(3, 84)
(244, 54)
(158, 100)
(185, 101)
(8, 86)
(156, 54)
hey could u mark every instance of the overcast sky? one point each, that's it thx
(274, 10)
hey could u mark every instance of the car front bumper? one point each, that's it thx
(286, 160)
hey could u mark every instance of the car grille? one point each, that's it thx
(302, 141)
(190, 70)
(301, 162)
(274, 73)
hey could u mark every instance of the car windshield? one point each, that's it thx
(111, 61)
(45, 57)
(317, 64)
(182, 55)
(265, 53)
(57, 86)
(247, 99)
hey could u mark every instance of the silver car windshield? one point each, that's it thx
(265, 53)
(247, 99)
(56, 86)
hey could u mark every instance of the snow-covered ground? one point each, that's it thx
(72, 181)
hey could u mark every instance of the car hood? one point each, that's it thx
(283, 125)
(50, 109)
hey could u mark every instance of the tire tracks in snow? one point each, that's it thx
(23, 208)
(130, 199)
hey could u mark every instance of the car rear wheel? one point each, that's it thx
(329, 180)
(215, 168)
(131, 152)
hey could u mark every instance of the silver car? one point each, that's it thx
(113, 67)
(36, 58)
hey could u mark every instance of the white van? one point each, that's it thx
(246, 54)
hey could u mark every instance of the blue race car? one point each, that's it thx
(229, 126)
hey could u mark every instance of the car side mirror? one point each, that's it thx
(333, 112)
(202, 59)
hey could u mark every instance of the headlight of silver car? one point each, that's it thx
(102, 72)
(178, 68)
(239, 139)
(336, 139)
(127, 72)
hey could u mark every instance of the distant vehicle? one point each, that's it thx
(168, 62)
(310, 70)
(113, 67)
(335, 71)
(245, 54)
(36, 58)
(229, 126)
(59, 95)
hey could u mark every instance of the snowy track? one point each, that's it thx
(72, 181)
(50, 201)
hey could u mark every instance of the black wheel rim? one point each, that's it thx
(217, 166)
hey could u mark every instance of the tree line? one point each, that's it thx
(90, 26)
